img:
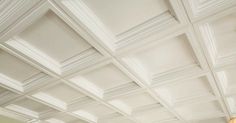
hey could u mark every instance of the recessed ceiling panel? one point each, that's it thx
(155, 114)
(114, 18)
(93, 112)
(104, 80)
(60, 95)
(132, 102)
(200, 111)
(224, 32)
(18, 75)
(117, 14)
(218, 34)
(53, 43)
(154, 61)
(29, 107)
(6, 96)
(63, 118)
(52, 36)
(186, 90)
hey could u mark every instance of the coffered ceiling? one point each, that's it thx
(118, 61)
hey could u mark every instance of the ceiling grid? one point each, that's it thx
(112, 61)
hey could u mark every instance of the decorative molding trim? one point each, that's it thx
(23, 110)
(206, 34)
(8, 113)
(115, 42)
(80, 61)
(81, 58)
(198, 67)
(198, 9)
(11, 11)
(50, 99)
(28, 85)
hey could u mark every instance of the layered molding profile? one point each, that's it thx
(95, 81)
(12, 80)
(182, 44)
(53, 95)
(169, 17)
(109, 61)
(29, 108)
(198, 9)
(49, 15)
(207, 30)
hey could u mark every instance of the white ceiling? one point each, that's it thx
(118, 61)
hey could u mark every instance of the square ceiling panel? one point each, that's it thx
(18, 75)
(154, 114)
(199, 111)
(186, 91)
(132, 102)
(50, 41)
(60, 95)
(218, 34)
(114, 18)
(93, 112)
(118, 20)
(157, 62)
(104, 80)
(30, 108)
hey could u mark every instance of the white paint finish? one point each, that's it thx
(212, 120)
(103, 80)
(154, 115)
(59, 42)
(185, 90)
(106, 77)
(60, 95)
(232, 103)
(216, 33)
(10, 114)
(63, 92)
(227, 80)
(93, 112)
(155, 70)
(62, 118)
(29, 107)
(131, 102)
(6, 96)
(200, 111)
(198, 9)
(224, 30)
(117, 119)
(162, 57)
(116, 15)
(21, 71)
(158, 59)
